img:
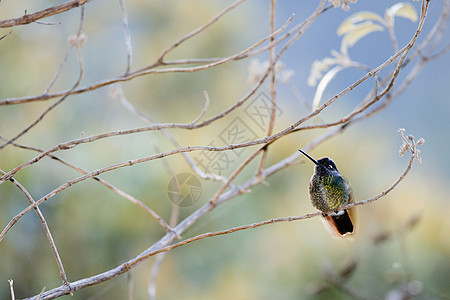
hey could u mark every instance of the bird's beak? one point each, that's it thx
(307, 155)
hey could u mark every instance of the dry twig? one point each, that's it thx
(51, 11)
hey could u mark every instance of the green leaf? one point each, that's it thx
(402, 9)
(350, 23)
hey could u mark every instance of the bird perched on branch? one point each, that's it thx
(329, 191)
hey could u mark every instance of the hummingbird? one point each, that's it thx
(329, 191)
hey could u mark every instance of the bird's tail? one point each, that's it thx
(339, 223)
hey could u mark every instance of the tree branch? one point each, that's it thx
(157, 248)
(27, 19)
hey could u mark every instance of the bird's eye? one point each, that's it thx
(330, 167)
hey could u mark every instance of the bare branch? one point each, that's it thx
(46, 230)
(66, 56)
(105, 183)
(118, 92)
(198, 30)
(205, 108)
(1, 38)
(154, 275)
(273, 93)
(76, 45)
(402, 53)
(11, 288)
(127, 35)
(27, 19)
(412, 147)
(145, 71)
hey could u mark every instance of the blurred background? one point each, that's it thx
(402, 241)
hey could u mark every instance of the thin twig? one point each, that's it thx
(130, 287)
(46, 230)
(58, 72)
(205, 108)
(273, 92)
(27, 19)
(174, 215)
(11, 288)
(1, 38)
(236, 172)
(66, 56)
(175, 209)
(127, 35)
(199, 30)
(435, 33)
(150, 69)
(105, 183)
(299, 28)
(154, 275)
(64, 97)
(118, 92)
(402, 53)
